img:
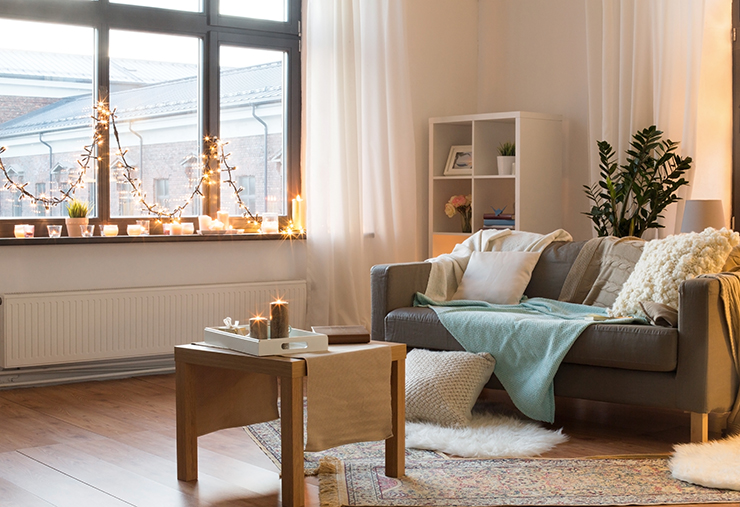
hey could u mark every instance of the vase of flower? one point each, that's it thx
(461, 204)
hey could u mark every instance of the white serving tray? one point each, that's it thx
(298, 341)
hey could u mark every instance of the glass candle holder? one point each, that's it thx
(270, 223)
(54, 230)
(87, 231)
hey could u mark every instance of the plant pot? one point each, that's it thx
(73, 226)
(506, 165)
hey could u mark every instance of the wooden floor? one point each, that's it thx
(112, 443)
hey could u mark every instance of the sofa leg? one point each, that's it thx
(699, 427)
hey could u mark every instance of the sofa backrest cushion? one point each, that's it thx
(552, 268)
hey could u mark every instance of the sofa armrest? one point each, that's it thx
(394, 286)
(706, 369)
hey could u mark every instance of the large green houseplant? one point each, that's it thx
(629, 199)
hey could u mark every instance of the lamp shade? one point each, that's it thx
(698, 214)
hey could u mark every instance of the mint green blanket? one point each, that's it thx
(528, 340)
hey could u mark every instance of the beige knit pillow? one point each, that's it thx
(441, 387)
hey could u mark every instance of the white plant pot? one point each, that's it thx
(505, 165)
(73, 226)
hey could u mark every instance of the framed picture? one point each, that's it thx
(460, 161)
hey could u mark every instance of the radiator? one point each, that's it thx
(70, 327)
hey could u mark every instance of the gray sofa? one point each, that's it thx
(689, 368)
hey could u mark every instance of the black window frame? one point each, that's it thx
(213, 29)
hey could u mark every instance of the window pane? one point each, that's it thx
(154, 91)
(46, 101)
(259, 9)
(180, 5)
(253, 122)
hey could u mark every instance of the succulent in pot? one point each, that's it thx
(77, 211)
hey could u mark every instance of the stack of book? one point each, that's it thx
(498, 221)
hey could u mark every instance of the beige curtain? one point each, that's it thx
(659, 62)
(359, 153)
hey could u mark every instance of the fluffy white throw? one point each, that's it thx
(448, 269)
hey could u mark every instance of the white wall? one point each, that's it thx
(442, 38)
(532, 57)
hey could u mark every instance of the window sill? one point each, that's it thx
(157, 238)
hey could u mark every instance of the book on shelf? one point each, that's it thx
(497, 227)
(502, 216)
(343, 334)
(497, 221)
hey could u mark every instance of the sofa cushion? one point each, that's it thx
(667, 262)
(551, 269)
(441, 387)
(497, 277)
(625, 346)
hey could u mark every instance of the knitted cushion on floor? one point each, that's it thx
(441, 387)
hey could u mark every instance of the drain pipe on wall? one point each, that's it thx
(141, 151)
(51, 159)
(254, 115)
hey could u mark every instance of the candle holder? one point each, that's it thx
(279, 323)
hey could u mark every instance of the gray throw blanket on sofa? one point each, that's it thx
(528, 340)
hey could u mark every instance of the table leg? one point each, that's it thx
(291, 428)
(395, 447)
(187, 438)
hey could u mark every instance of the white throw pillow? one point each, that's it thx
(497, 277)
(665, 263)
(441, 387)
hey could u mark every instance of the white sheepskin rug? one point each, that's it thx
(487, 436)
(714, 464)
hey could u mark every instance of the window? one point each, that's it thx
(178, 71)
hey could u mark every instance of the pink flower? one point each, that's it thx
(458, 201)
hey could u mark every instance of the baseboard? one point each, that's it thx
(82, 372)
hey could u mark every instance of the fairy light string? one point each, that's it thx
(214, 162)
(101, 123)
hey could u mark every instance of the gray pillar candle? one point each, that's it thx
(258, 328)
(279, 319)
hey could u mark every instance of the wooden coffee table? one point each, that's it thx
(207, 373)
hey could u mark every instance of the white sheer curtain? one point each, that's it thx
(359, 153)
(646, 59)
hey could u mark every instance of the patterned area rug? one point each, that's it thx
(267, 437)
(473, 483)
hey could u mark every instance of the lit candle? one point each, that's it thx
(134, 230)
(258, 327)
(279, 325)
(19, 231)
(299, 213)
(223, 217)
(176, 229)
(166, 229)
(270, 223)
(188, 228)
(110, 230)
(216, 225)
(204, 223)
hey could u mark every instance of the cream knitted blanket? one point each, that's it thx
(448, 269)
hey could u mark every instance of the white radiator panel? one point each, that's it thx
(68, 327)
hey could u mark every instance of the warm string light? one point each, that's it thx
(101, 130)
(217, 151)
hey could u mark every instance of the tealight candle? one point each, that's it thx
(279, 325)
(176, 229)
(188, 228)
(258, 327)
(110, 230)
(217, 225)
(223, 217)
(134, 230)
(269, 223)
(19, 231)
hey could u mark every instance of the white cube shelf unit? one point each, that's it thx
(532, 193)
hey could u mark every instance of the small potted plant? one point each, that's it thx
(77, 211)
(506, 158)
